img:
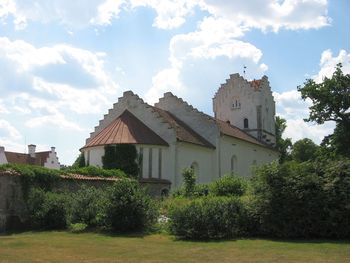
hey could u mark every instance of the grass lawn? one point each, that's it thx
(93, 247)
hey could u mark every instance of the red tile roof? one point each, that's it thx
(23, 158)
(183, 132)
(126, 129)
(255, 84)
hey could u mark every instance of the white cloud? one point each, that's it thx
(170, 14)
(55, 120)
(8, 131)
(293, 109)
(328, 64)
(107, 11)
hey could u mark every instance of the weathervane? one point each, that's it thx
(244, 68)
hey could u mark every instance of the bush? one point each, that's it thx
(47, 210)
(189, 181)
(78, 227)
(96, 171)
(87, 206)
(305, 200)
(208, 218)
(129, 208)
(229, 185)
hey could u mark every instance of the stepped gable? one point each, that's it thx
(119, 107)
(183, 132)
(23, 158)
(124, 130)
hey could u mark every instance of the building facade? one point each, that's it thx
(173, 135)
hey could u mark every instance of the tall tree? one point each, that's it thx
(304, 150)
(331, 102)
(282, 145)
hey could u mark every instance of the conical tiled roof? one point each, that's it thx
(126, 129)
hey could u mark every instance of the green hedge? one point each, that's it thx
(208, 218)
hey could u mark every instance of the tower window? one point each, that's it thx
(245, 123)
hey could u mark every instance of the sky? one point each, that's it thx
(64, 63)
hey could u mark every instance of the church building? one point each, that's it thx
(173, 135)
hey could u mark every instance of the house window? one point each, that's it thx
(233, 164)
(150, 163)
(236, 104)
(245, 123)
(195, 168)
(159, 163)
(141, 162)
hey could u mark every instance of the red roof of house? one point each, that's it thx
(255, 84)
(124, 130)
(23, 158)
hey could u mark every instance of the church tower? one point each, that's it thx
(248, 105)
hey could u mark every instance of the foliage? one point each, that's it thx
(79, 162)
(207, 218)
(282, 145)
(189, 181)
(96, 171)
(47, 210)
(229, 185)
(304, 150)
(123, 157)
(331, 102)
(77, 227)
(129, 208)
(302, 199)
(87, 206)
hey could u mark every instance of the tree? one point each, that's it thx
(331, 102)
(304, 150)
(282, 145)
(123, 157)
(80, 161)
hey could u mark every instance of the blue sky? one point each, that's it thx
(64, 63)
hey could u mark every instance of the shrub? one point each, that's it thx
(78, 227)
(189, 181)
(229, 185)
(129, 208)
(96, 171)
(87, 206)
(289, 201)
(47, 210)
(207, 218)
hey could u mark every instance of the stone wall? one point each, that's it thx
(13, 213)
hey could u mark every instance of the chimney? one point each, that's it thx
(2, 149)
(53, 149)
(31, 150)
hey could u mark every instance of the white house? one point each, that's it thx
(47, 159)
(172, 135)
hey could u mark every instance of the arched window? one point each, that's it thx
(233, 164)
(245, 123)
(195, 168)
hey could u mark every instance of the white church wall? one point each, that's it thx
(188, 154)
(237, 100)
(3, 159)
(245, 155)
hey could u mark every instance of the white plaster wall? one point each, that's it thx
(237, 88)
(246, 153)
(52, 161)
(187, 154)
(93, 155)
(3, 159)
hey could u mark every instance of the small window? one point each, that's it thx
(245, 123)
